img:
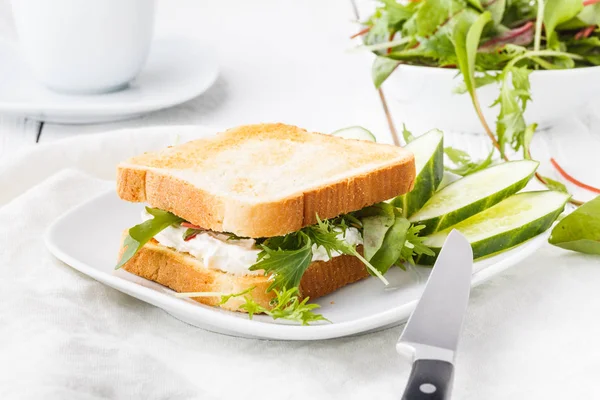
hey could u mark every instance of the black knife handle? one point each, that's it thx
(429, 380)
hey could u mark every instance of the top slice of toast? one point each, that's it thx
(266, 180)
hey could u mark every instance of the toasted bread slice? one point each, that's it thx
(266, 180)
(184, 273)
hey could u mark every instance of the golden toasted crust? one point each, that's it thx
(184, 273)
(389, 171)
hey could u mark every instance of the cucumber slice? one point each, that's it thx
(429, 163)
(355, 132)
(473, 194)
(507, 224)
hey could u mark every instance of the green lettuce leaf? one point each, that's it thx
(557, 12)
(434, 13)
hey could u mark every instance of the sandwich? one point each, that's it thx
(264, 218)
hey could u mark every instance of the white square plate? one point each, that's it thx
(361, 307)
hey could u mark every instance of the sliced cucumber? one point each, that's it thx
(510, 222)
(355, 132)
(429, 163)
(473, 194)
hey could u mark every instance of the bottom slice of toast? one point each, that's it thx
(185, 273)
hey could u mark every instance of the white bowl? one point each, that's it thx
(425, 95)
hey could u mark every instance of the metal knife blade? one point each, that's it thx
(432, 331)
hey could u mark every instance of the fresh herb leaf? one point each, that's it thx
(140, 234)
(407, 135)
(527, 138)
(466, 41)
(518, 11)
(286, 305)
(475, 4)
(396, 13)
(513, 98)
(580, 230)
(287, 257)
(225, 298)
(557, 12)
(497, 9)
(325, 234)
(414, 246)
(382, 69)
(464, 165)
(589, 16)
(392, 245)
(191, 233)
(285, 265)
(388, 237)
(483, 79)
(233, 236)
(555, 185)
(434, 13)
(252, 307)
(521, 36)
(376, 221)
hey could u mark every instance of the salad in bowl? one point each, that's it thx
(520, 62)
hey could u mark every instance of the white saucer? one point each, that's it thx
(178, 69)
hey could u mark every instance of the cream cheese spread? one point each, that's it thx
(232, 256)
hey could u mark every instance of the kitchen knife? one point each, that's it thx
(431, 334)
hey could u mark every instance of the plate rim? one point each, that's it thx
(254, 328)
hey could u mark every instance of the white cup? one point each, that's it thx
(84, 46)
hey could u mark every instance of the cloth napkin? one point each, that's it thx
(530, 333)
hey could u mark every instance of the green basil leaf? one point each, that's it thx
(140, 234)
(580, 230)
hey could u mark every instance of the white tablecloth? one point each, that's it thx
(531, 333)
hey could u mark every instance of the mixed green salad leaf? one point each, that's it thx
(493, 42)
(496, 41)
(286, 258)
(384, 233)
(286, 305)
(140, 234)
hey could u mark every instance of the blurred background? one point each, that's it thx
(278, 61)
